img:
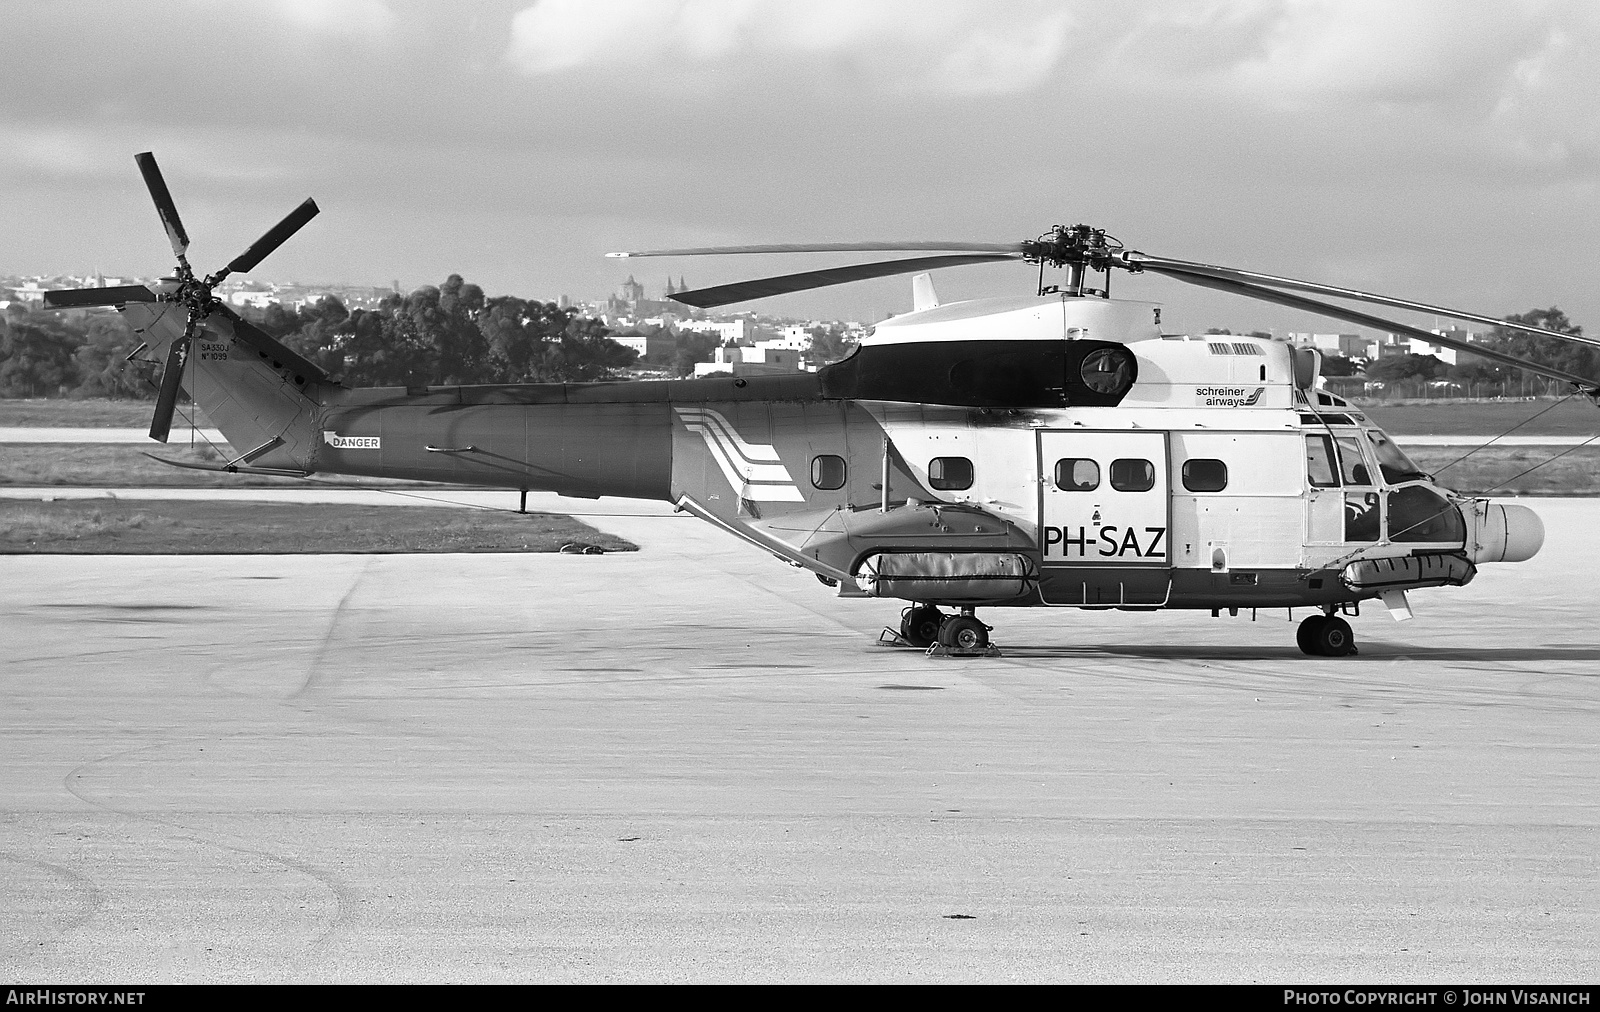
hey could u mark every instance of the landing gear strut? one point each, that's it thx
(1325, 636)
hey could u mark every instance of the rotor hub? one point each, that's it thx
(1073, 245)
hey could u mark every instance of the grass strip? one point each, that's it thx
(89, 413)
(164, 527)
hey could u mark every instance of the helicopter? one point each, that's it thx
(1054, 449)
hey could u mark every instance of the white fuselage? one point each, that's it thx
(1232, 441)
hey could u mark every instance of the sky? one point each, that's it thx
(1446, 152)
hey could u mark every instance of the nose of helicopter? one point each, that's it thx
(1503, 532)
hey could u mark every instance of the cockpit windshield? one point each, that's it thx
(1392, 461)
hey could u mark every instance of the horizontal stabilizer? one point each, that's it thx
(277, 472)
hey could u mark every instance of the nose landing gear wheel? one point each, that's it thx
(920, 625)
(963, 632)
(1325, 636)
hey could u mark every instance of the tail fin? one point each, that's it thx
(265, 398)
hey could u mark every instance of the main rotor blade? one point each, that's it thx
(1294, 284)
(831, 247)
(164, 205)
(743, 291)
(171, 377)
(1359, 318)
(72, 298)
(275, 237)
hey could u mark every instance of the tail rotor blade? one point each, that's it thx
(275, 237)
(164, 204)
(73, 298)
(171, 377)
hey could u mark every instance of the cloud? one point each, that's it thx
(338, 17)
(1501, 87)
(1418, 52)
(941, 45)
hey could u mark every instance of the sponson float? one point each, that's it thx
(1052, 450)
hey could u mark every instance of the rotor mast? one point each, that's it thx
(1079, 249)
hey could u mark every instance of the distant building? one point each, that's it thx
(1345, 345)
(630, 301)
(740, 360)
(29, 293)
(647, 344)
(255, 300)
(736, 331)
(1417, 346)
(796, 337)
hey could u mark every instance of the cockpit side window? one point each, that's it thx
(1393, 463)
(1321, 471)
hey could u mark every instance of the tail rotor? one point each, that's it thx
(195, 293)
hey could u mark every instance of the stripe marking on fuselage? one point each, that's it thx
(754, 470)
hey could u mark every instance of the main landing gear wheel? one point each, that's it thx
(920, 624)
(963, 632)
(1325, 636)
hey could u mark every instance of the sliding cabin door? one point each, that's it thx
(1104, 517)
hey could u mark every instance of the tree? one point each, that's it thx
(582, 353)
(36, 357)
(1569, 356)
(449, 334)
(828, 343)
(694, 346)
(513, 330)
(1470, 369)
(1338, 365)
(101, 360)
(318, 335)
(1400, 368)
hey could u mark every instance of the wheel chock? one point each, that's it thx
(890, 638)
(940, 650)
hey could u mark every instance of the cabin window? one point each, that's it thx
(1417, 513)
(1130, 474)
(950, 474)
(1077, 474)
(1321, 472)
(1202, 475)
(1354, 467)
(827, 472)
